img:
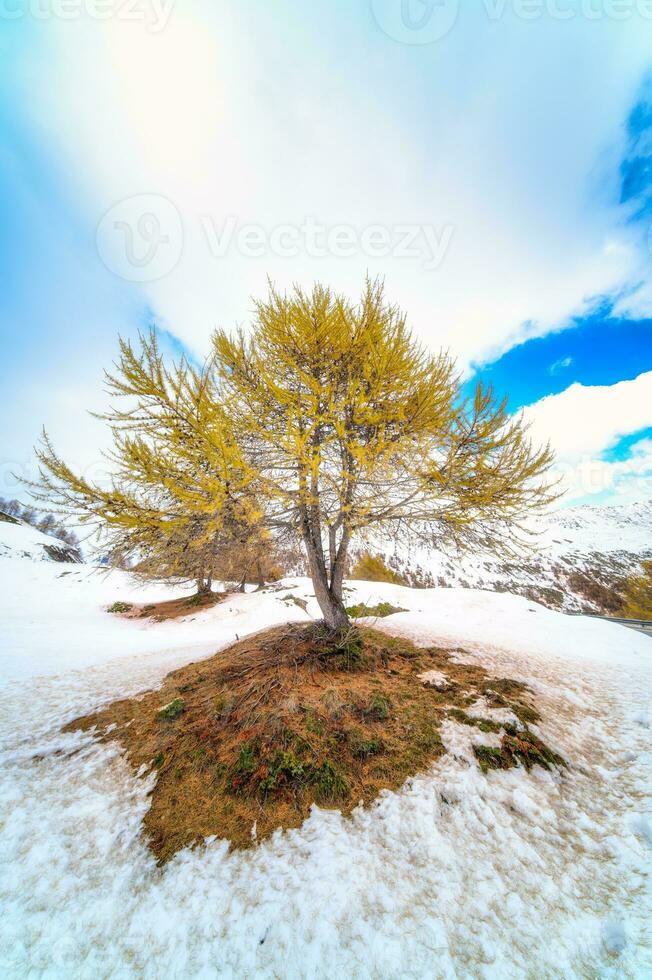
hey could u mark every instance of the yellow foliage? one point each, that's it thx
(638, 594)
(372, 568)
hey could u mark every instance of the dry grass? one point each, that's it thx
(256, 734)
(170, 609)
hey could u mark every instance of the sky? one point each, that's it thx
(160, 159)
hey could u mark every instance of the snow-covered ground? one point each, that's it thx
(20, 540)
(458, 875)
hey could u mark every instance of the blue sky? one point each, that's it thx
(496, 170)
(598, 349)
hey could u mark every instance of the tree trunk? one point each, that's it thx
(203, 586)
(335, 614)
(329, 597)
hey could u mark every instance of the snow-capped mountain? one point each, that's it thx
(578, 560)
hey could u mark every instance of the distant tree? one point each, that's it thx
(29, 515)
(326, 420)
(253, 560)
(638, 594)
(11, 507)
(64, 534)
(184, 554)
(372, 568)
(47, 524)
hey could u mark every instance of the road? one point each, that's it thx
(642, 625)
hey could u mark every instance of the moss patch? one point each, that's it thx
(256, 734)
(120, 607)
(380, 610)
(517, 746)
(171, 710)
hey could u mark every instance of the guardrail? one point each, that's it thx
(643, 625)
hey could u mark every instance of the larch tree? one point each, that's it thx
(326, 421)
(180, 490)
(351, 426)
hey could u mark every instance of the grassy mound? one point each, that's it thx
(248, 740)
(169, 608)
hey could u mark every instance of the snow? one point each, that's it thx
(24, 541)
(434, 678)
(457, 875)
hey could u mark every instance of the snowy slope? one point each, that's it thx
(457, 875)
(20, 540)
(578, 562)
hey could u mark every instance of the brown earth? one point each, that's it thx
(247, 740)
(170, 609)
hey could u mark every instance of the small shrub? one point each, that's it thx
(372, 568)
(378, 708)
(246, 760)
(363, 748)
(381, 610)
(329, 781)
(222, 705)
(120, 607)
(314, 724)
(517, 747)
(344, 652)
(171, 710)
(284, 768)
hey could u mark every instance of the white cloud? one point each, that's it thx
(582, 422)
(560, 365)
(622, 481)
(272, 114)
(586, 420)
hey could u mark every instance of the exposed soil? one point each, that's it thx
(170, 609)
(247, 740)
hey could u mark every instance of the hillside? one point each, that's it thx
(579, 559)
(21, 540)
